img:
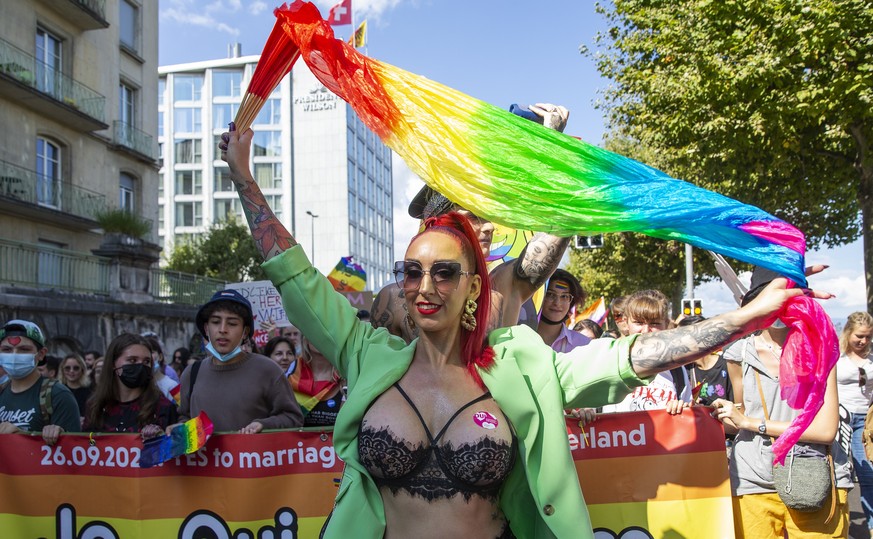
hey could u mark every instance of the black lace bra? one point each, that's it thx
(436, 471)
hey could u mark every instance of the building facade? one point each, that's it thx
(327, 177)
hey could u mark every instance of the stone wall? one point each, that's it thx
(80, 322)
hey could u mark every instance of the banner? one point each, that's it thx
(644, 474)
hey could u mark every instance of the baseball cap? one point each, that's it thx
(228, 295)
(429, 203)
(23, 328)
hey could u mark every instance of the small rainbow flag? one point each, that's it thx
(596, 312)
(347, 276)
(186, 438)
(176, 393)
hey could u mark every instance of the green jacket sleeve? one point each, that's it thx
(323, 315)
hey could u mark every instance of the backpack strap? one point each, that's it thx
(195, 368)
(45, 399)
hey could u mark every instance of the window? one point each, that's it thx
(127, 24)
(222, 179)
(189, 182)
(271, 114)
(162, 90)
(351, 174)
(161, 221)
(223, 114)
(188, 214)
(267, 144)
(227, 83)
(126, 190)
(161, 124)
(352, 207)
(187, 120)
(227, 207)
(160, 186)
(161, 156)
(48, 62)
(189, 150)
(126, 103)
(275, 202)
(48, 172)
(187, 87)
(268, 175)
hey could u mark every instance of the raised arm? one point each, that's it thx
(271, 236)
(664, 350)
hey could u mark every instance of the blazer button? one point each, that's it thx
(549, 510)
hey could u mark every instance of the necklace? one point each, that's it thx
(770, 347)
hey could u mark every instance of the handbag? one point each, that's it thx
(867, 435)
(807, 477)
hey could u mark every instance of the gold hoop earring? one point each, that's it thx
(468, 319)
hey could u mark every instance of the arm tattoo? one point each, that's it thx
(270, 235)
(540, 258)
(380, 313)
(664, 350)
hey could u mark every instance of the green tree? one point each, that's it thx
(769, 102)
(226, 251)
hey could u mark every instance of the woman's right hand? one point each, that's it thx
(729, 414)
(235, 150)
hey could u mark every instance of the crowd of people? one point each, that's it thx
(449, 402)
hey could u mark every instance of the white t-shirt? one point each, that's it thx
(166, 384)
(654, 396)
(853, 397)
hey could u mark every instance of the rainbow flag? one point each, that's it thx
(347, 276)
(513, 171)
(176, 393)
(186, 438)
(596, 312)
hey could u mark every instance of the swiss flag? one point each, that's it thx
(340, 14)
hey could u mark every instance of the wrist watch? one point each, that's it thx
(762, 428)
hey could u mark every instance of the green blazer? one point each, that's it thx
(530, 382)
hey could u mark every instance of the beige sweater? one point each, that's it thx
(253, 389)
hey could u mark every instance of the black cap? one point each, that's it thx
(429, 203)
(226, 296)
(761, 277)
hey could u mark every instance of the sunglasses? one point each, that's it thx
(445, 275)
(73, 368)
(862, 377)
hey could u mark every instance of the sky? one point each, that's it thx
(501, 52)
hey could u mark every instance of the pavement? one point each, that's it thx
(857, 521)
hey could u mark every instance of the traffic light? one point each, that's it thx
(692, 307)
(589, 242)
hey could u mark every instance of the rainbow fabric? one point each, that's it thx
(514, 172)
(347, 276)
(186, 438)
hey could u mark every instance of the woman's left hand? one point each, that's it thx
(728, 413)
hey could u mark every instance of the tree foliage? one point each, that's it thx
(226, 251)
(767, 101)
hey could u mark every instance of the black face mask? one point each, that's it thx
(135, 375)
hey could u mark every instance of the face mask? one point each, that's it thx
(298, 350)
(18, 366)
(156, 366)
(135, 375)
(4, 379)
(778, 324)
(226, 357)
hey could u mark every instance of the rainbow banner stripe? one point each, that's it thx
(185, 439)
(646, 470)
(515, 172)
(347, 276)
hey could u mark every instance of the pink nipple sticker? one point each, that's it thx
(13, 340)
(485, 420)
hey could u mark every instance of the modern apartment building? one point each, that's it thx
(326, 176)
(78, 102)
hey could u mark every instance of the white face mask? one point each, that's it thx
(226, 357)
(18, 366)
(778, 324)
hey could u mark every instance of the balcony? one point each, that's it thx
(86, 14)
(33, 266)
(32, 195)
(33, 84)
(169, 286)
(138, 144)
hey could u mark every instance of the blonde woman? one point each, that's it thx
(855, 390)
(73, 374)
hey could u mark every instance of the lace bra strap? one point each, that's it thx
(415, 409)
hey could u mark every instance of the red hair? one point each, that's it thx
(474, 352)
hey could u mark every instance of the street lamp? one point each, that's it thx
(312, 234)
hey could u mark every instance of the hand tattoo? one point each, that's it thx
(540, 258)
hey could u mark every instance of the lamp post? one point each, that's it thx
(312, 234)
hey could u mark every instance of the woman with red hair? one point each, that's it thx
(453, 435)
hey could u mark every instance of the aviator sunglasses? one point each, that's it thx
(445, 275)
